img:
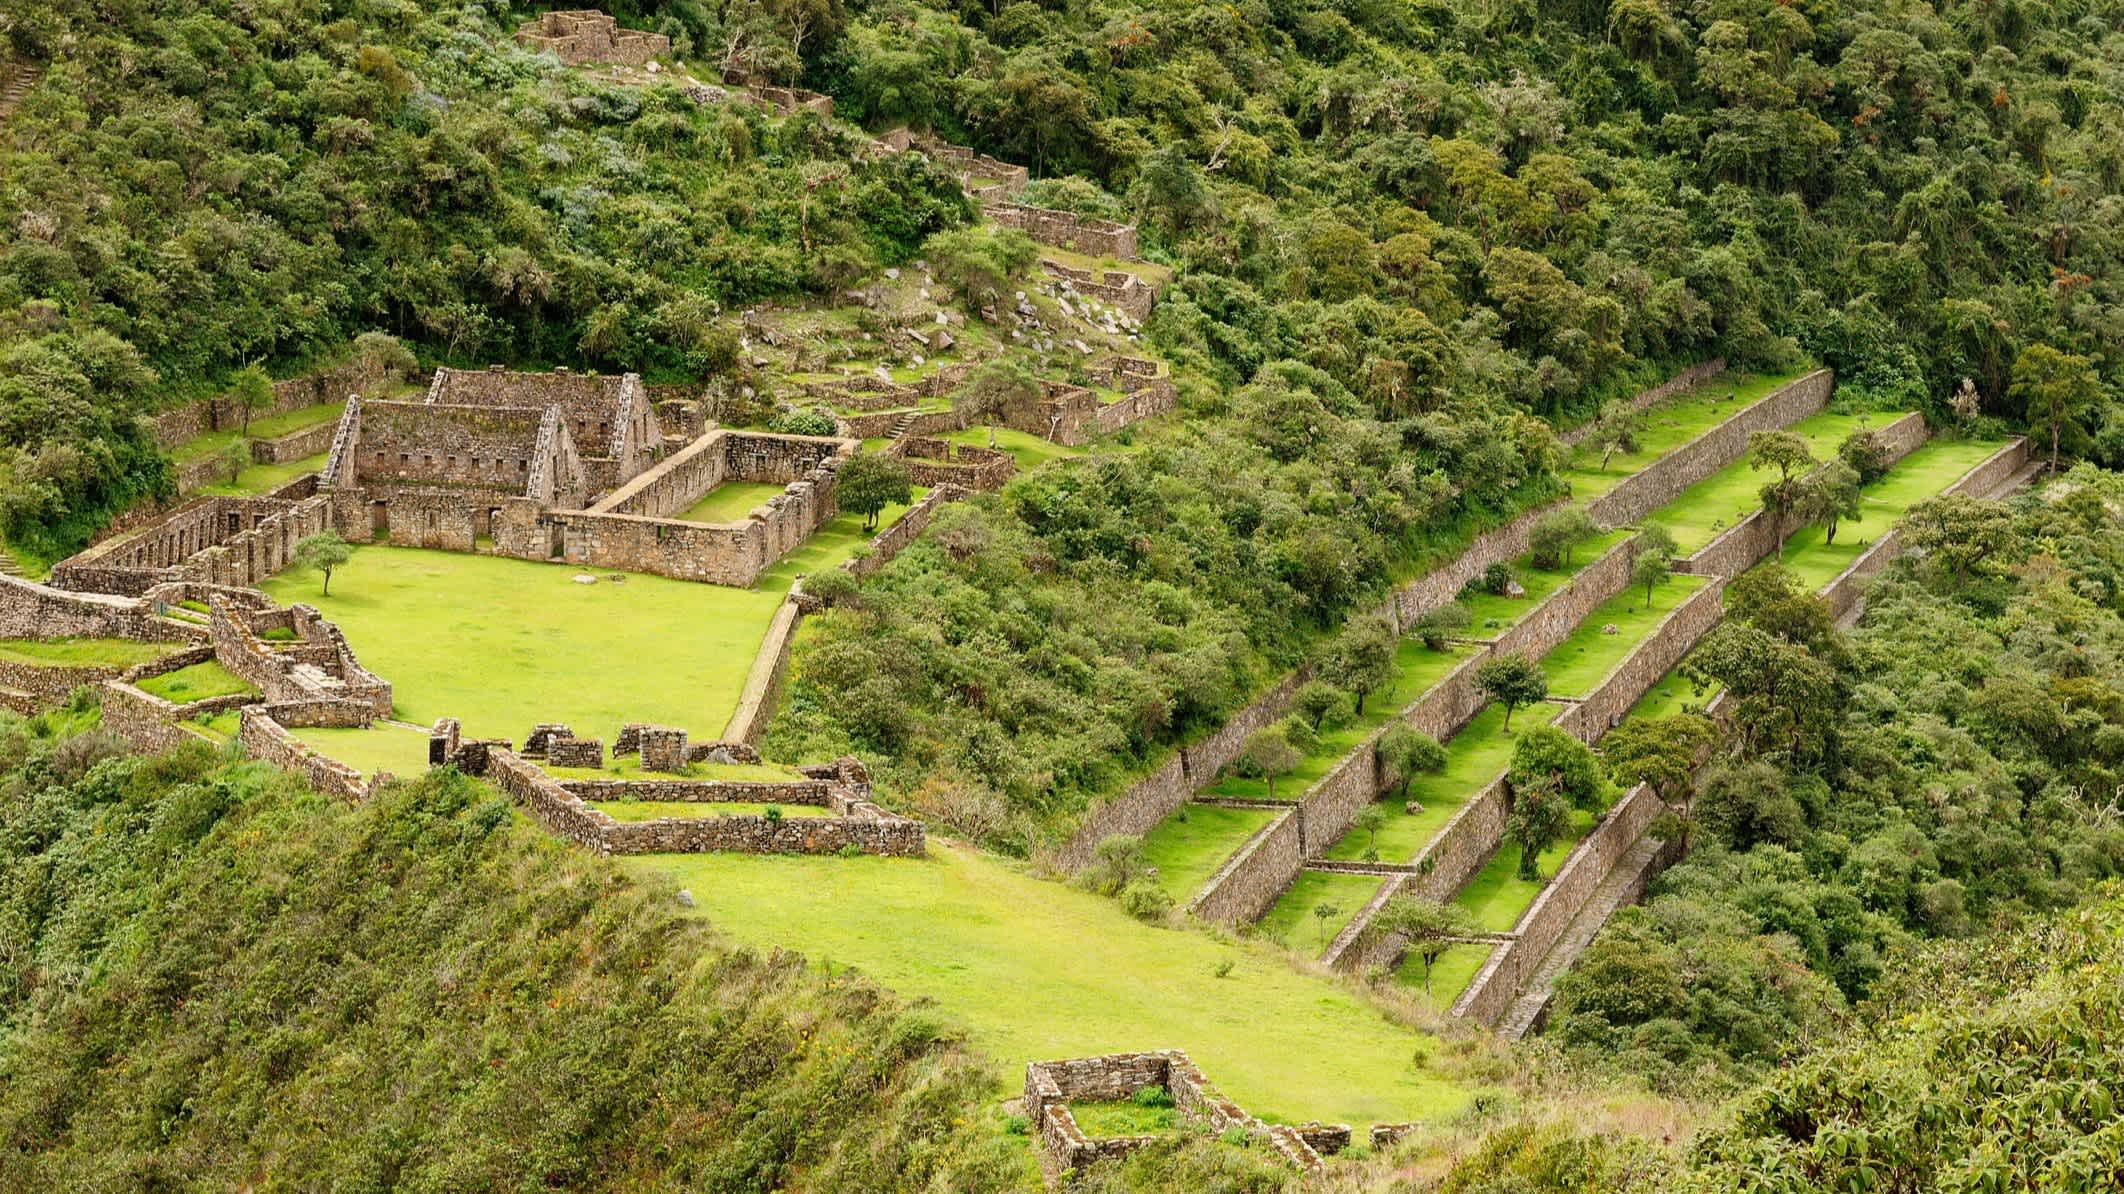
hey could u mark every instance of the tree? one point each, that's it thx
(1361, 659)
(1787, 453)
(1512, 680)
(992, 389)
(1963, 535)
(868, 482)
(1656, 540)
(1555, 533)
(2060, 390)
(1537, 819)
(1650, 569)
(1436, 627)
(1784, 697)
(1320, 702)
(1615, 429)
(323, 551)
(1324, 912)
(1430, 927)
(1866, 454)
(1660, 753)
(1116, 862)
(1547, 756)
(250, 391)
(1827, 496)
(234, 457)
(1270, 752)
(1406, 752)
(1371, 818)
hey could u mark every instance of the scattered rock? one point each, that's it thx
(581, 579)
(1514, 589)
(893, 273)
(684, 897)
(1611, 628)
(1413, 808)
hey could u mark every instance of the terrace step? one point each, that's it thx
(1623, 885)
(8, 566)
(1336, 866)
(902, 425)
(2014, 484)
(19, 78)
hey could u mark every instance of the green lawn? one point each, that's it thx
(650, 810)
(833, 544)
(219, 728)
(1492, 614)
(195, 683)
(1189, 846)
(1670, 695)
(1030, 450)
(1667, 427)
(1293, 922)
(1123, 1117)
(630, 767)
(1474, 757)
(263, 427)
(83, 652)
(502, 644)
(264, 478)
(1037, 970)
(395, 749)
(1416, 669)
(1920, 475)
(1582, 660)
(1496, 896)
(730, 502)
(1450, 974)
(1734, 492)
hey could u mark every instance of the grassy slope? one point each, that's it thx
(1030, 450)
(1039, 970)
(264, 478)
(83, 652)
(1732, 493)
(502, 644)
(1491, 614)
(1450, 974)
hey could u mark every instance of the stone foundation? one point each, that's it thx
(1065, 230)
(576, 752)
(1050, 1086)
(582, 36)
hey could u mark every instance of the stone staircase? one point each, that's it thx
(902, 425)
(1622, 886)
(15, 83)
(8, 566)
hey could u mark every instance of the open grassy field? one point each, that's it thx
(1581, 661)
(1189, 846)
(381, 747)
(83, 652)
(262, 427)
(264, 478)
(1734, 492)
(195, 683)
(1925, 472)
(1667, 427)
(1492, 614)
(1474, 756)
(1037, 970)
(730, 502)
(650, 810)
(502, 644)
(1030, 450)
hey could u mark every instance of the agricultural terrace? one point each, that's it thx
(257, 479)
(1926, 471)
(262, 427)
(1734, 492)
(383, 747)
(83, 652)
(1668, 426)
(1036, 969)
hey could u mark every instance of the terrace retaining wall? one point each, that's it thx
(1617, 692)
(1646, 399)
(1664, 479)
(31, 610)
(265, 739)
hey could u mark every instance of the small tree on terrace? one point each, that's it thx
(869, 482)
(1866, 454)
(1321, 703)
(325, 551)
(1406, 752)
(1551, 774)
(1827, 496)
(1654, 562)
(1270, 752)
(1787, 453)
(1660, 753)
(1554, 535)
(1438, 626)
(1361, 659)
(1512, 680)
(250, 391)
(2060, 390)
(1615, 429)
(234, 457)
(1430, 926)
(991, 390)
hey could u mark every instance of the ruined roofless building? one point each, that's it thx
(586, 35)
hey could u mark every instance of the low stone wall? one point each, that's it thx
(1117, 288)
(1065, 230)
(194, 419)
(46, 685)
(580, 37)
(1646, 399)
(235, 542)
(1512, 964)
(31, 610)
(1256, 875)
(145, 721)
(714, 553)
(1540, 629)
(1617, 692)
(815, 793)
(688, 475)
(898, 837)
(1664, 479)
(265, 739)
(556, 810)
(755, 707)
(933, 462)
(296, 445)
(894, 539)
(1050, 1086)
(1154, 398)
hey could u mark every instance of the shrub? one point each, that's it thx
(1116, 862)
(1497, 579)
(834, 586)
(801, 422)
(1437, 627)
(1145, 900)
(1555, 533)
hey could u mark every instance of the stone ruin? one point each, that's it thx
(586, 35)
(1050, 1086)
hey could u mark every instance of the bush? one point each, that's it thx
(834, 586)
(1145, 900)
(801, 422)
(1116, 862)
(1497, 579)
(1436, 628)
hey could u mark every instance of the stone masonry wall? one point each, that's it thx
(676, 484)
(932, 462)
(1646, 399)
(1664, 479)
(1558, 615)
(1843, 593)
(1256, 875)
(581, 36)
(145, 721)
(1676, 635)
(31, 610)
(266, 739)
(1512, 964)
(175, 426)
(1065, 230)
(815, 793)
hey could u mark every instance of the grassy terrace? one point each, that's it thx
(833, 544)
(396, 749)
(262, 427)
(502, 644)
(264, 478)
(1123, 1117)
(1584, 659)
(1035, 969)
(195, 683)
(1920, 475)
(630, 767)
(1294, 922)
(1673, 694)
(730, 502)
(1189, 846)
(1475, 756)
(650, 810)
(1497, 896)
(1667, 427)
(1491, 614)
(1450, 974)
(1734, 492)
(83, 652)
(1030, 451)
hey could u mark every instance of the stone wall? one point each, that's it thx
(608, 417)
(755, 705)
(265, 739)
(1617, 692)
(1646, 399)
(897, 837)
(1155, 397)
(194, 419)
(814, 793)
(894, 539)
(28, 687)
(1552, 621)
(145, 721)
(714, 553)
(1664, 479)
(31, 610)
(135, 563)
(1256, 875)
(1050, 1086)
(674, 485)
(581, 36)
(932, 462)
(1117, 288)
(1499, 545)
(556, 811)
(1065, 230)
(1843, 593)
(421, 443)
(1513, 963)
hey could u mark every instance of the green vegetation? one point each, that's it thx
(1492, 613)
(630, 767)
(650, 810)
(399, 750)
(1497, 895)
(502, 644)
(261, 479)
(1127, 1117)
(1924, 472)
(1581, 661)
(1474, 757)
(1030, 451)
(1189, 846)
(1666, 427)
(836, 542)
(83, 652)
(1734, 492)
(1038, 970)
(1295, 923)
(267, 427)
(195, 682)
(730, 502)
(1450, 974)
